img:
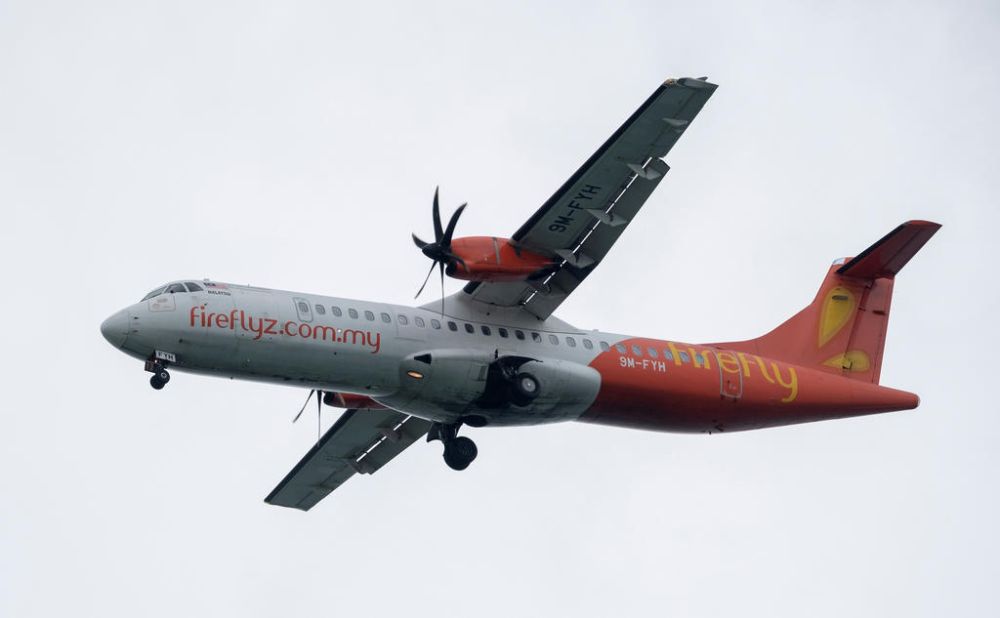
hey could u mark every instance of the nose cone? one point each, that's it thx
(115, 328)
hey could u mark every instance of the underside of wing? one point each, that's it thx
(360, 441)
(587, 214)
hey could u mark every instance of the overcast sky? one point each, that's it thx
(297, 144)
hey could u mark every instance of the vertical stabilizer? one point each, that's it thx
(843, 330)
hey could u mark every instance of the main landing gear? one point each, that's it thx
(160, 375)
(459, 451)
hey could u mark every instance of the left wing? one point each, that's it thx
(360, 441)
(588, 213)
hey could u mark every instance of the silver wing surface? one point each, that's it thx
(588, 213)
(360, 441)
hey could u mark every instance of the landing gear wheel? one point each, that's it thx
(524, 389)
(159, 379)
(460, 452)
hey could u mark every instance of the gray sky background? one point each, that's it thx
(296, 145)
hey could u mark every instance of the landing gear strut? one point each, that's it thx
(459, 451)
(160, 375)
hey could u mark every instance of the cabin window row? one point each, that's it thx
(637, 350)
(435, 324)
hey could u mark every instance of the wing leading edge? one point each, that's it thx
(360, 441)
(587, 214)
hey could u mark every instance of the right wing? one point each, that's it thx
(360, 441)
(589, 212)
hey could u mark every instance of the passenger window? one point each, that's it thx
(320, 309)
(452, 326)
(668, 355)
(335, 310)
(176, 288)
(698, 358)
(587, 343)
(388, 318)
(652, 352)
(636, 350)
(537, 338)
(369, 316)
(353, 313)
(519, 334)
(571, 342)
(485, 329)
(419, 321)
(402, 319)
(621, 348)
(435, 324)
(503, 332)
(553, 340)
(469, 328)
(605, 346)
(303, 307)
(685, 358)
(194, 287)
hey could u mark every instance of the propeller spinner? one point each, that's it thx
(439, 251)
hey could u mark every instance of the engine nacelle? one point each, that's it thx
(486, 258)
(484, 389)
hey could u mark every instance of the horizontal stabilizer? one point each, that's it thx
(888, 256)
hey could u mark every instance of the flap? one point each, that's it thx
(360, 441)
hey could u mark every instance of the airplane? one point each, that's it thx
(494, 355)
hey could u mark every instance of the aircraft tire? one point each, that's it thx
(156, 382)
(460, 452)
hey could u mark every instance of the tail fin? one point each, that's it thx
(843, 330)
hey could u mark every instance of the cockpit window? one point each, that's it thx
(155, 292)
(194, 287)
(176, 288)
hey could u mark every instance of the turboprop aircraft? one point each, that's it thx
(494, 355)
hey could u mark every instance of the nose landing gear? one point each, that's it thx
(459, 451)
(160, 375)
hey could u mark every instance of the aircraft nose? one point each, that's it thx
(115, 328)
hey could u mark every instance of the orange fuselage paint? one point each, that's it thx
(495, 259)
(696, 388)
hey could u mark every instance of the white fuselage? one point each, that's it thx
(362, 347)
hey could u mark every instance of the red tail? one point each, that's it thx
(843, 330)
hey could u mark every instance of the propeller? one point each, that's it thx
(440, 250)
(319, 411)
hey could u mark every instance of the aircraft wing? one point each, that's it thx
(588, 213)
(360, 441)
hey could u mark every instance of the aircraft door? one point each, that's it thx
(730, 377)
(412, 326)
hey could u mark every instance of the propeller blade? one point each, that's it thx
(426, 279)
(419, 243)
(437, 217)
(453, 257)
(308, 397)
(441, 264)
(446, 241)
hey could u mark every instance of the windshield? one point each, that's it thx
(174, 288)
(155, 292)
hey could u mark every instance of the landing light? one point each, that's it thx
(416, 375)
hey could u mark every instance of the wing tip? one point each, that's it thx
(698, 83)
